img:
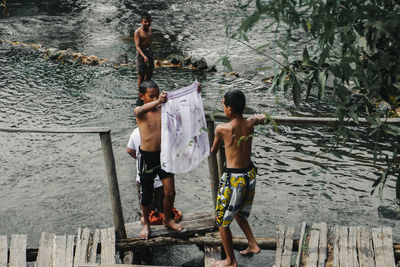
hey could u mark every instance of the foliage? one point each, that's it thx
(352, 46)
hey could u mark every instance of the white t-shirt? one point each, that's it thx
(134, 143)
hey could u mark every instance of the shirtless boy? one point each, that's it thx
(144, 56)
(148, 118)
(237, 184)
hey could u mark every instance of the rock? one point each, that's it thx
(212, 68)
(200, 64)
(54, 55)
(187, 61)
(175, 59)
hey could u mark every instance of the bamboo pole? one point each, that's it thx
(116, 206)
(212, 163)
(307, 121)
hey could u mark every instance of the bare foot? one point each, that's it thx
(144, 234)
(223, 263)
(249, 251)
(142, 219)
(173, 225)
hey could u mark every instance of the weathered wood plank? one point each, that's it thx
(195, 223)
(83, 254)
(95, 242)
(301, 240)
(313, 245)
(211, 254)
(18, 251)
(45, 254)
(353, 261)
(3, 250)
(336, 247)
(59, 130)
(323, 244)
(69, 251)
(78, 248)
(377, 239)
(59, 250)
(287, 248)
(117, 265)
(107, 245)
(364, 247)
(280, 241)
(388, 246)
(343, 246)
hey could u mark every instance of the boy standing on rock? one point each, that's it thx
(144, 56)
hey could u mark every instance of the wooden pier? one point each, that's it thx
(319, 245)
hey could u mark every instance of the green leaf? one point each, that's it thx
(226, 62)
(322, 82)
(296, 93)
(306, 58)
(326, 196)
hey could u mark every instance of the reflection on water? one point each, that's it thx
(56, 183)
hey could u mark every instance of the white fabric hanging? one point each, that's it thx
(184, 137)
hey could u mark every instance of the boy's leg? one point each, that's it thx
(226, 237)
(158, 201)
(169, 198)
(145, 232)
(253, 247)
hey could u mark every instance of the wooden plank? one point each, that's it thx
(3, 250)
(343, 246)
(107, 245)
(83, 254)
(95, 242)
(117, 265)
(280, 240)
(388, 246)
(59, 130)
(59, 249)
(18, 251)
(313, 245)
(323, 244)
(336, 247)
(377, 239)
(287, 248)
(69, 252)
(353, 261)
(195, 224)
(211, 254)
(78, 247)
(45, 253)
(364, 247)
(301, 240)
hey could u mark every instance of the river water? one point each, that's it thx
(57, 183)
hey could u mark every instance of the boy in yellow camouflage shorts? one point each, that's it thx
(237, 184)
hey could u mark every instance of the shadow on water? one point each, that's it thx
(56, 183)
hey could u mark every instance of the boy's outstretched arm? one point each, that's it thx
(258, 119)
(217, 140)
(141, 110)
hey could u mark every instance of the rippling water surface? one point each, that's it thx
(57, 183)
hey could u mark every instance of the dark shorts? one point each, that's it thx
(144, 69)
(149, 168)
(235, 194)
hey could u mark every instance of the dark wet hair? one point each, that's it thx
(147, 84)
(236, 100)
(145, 15)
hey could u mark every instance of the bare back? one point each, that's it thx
(150, 130)
(237, 136)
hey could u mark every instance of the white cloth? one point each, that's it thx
(184, 137)
(134, 143)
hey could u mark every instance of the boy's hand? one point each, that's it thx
(162, 97)
(199, 88)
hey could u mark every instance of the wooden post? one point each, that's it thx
(212, 163)
(221, 160)
(116, 207)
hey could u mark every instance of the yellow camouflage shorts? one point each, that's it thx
(235, 194)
